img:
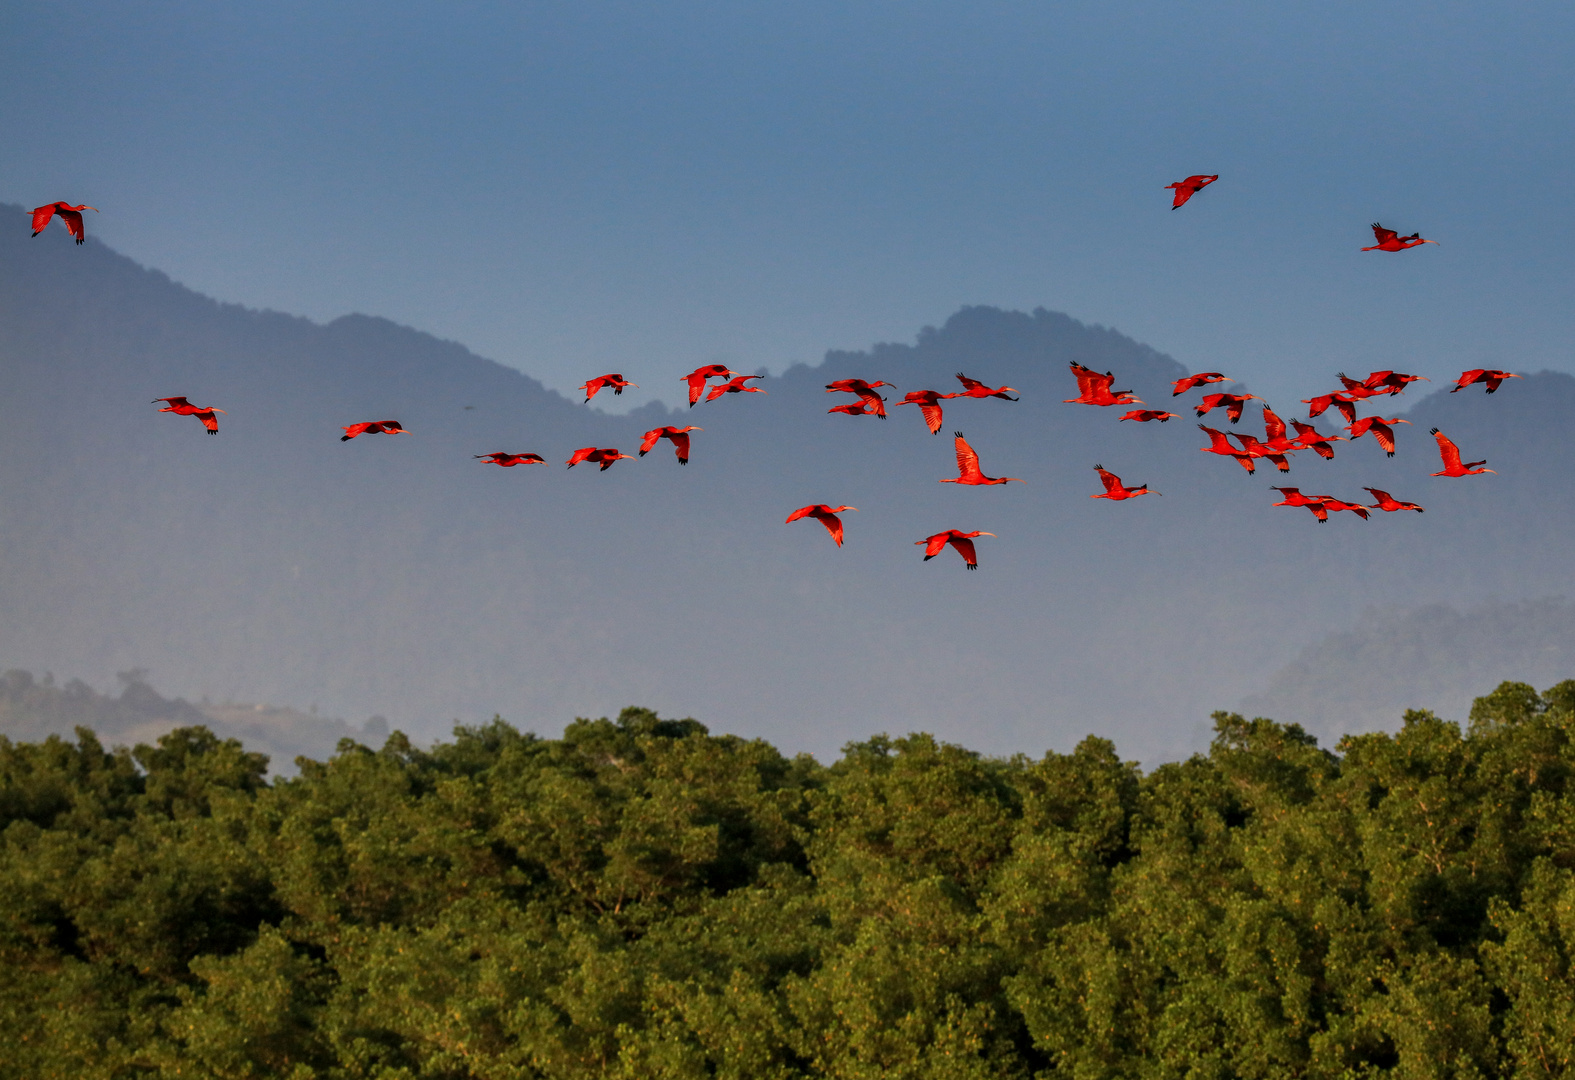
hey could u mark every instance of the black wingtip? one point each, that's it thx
(927, 558)
(1432, 431)
(683, 461)
(973, 566)
(344, 438)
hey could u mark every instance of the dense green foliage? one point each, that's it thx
(641, 899)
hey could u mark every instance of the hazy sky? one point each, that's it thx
(580, 187)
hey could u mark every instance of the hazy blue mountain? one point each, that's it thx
(1431, 657)
(396, 575)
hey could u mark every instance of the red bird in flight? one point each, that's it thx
(1389, 240)
(736, 386)
(1294, 497)
(1257, 450)
(961, 541)
(826, 515)
(1201, 379)
(616, 382)
(1308, 436)
(1189, 187)
(1342, 401)
(870, 402)
(1114, 490)
(1391, 382)
(1380, 429)
(508, 461)
(70, 217)
(1274, 432)
(1388, 502)
(697, 379)
(1094, 389)
(1231, 403)
(929, 403)
(1482, 375)
(968, 467)
(975, 389)
(1451, 455)
(679, 437)
(604, 457)
(373, 427)
(1219, 444)
(181, 407)
(1143, 416)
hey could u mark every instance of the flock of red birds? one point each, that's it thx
(1092, 389)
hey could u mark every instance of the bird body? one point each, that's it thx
(1189, 187)
(1219, 444)
(1115, 491)
(1308, 437)
(1380, 429)
(1200, 379)
(508, 461)
(1339, 399)
(698, 377)
(70, 217)
(929, 403)
(1331, 503)
(859, 408)
(871, 403)
(1487, 376)
(1143, 416)
(1391, 382)
(1231, 403)
(975, 389)
(616, 382)
(679, 436)
(1094, 388)
(826, 515)
(968, 467)
(962, 542)
(604, 457)
(1257, 449)
(1294, 497)
(181, 407)
(373, 427)
(1389, 503)
(735, 386)
(1451, 456)
(1274, 432)
(1389, 240)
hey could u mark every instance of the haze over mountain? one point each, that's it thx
(397, 576)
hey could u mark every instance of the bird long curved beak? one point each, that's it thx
(1397, 420)
(92, 208)
(219, 411)
(989, 534)
(1431, 242)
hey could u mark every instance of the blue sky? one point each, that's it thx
(574, 188)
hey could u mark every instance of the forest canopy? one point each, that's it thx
(640, 898)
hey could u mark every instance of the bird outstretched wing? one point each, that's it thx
(1383, 235)
(967, 459)
(1111, 481)
(964, 548)
(1447, 450)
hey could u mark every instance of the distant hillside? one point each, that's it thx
(396, 575)
(1431, 657)
(32, 709)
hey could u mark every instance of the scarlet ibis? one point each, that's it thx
(860, 408)
(1309, 437)
(181, 407)
(1189, 187)
(872, 404)
(70, 217)
(589, 453)
(1345, 403)
(1392, 382)
(736, 386)
(1389, 240)
(1380, 429)
(679, 436)
(1388, 502)
(373, 427)
(1094, 388)
(975, 389)
(1451, 455)
(508, 461)
(1114, 490)
(1231, 403)
(1257, 450)
(929, 403)
(1219, 444)
(1274, 432)
(697, 379)
(968, 467)
(1143, 416)
(962, 541)
(826, 515)
(1201, 379)
(1482, 375)
(1357, 389)
(1294, 497)
(616, 382)
(1331, 503)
